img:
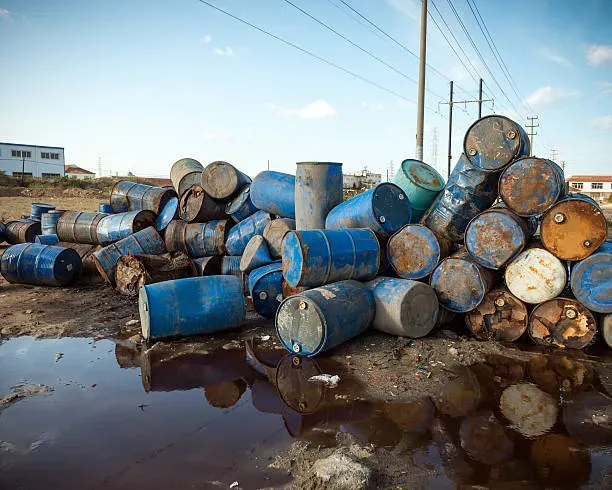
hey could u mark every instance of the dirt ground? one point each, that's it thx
(15, 207)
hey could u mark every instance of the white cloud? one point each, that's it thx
(406, 7)
(316, 110)
(206, 39)
(216, 136)
(605, 86)
(5, 15)
(377, 106)
(599, 54)
(553, 55)
(604, 122)
(227, 51)
(545, 96)
(458, 73)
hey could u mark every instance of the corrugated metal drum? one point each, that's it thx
(105, 208)
(185, 173)
(114, 227)
(131, 196)
(274, 192)
(86, 252)
(591, 280)
(167, 214)
(239, 235)
(77, 227)
(241, 207)
(274, 232)
(46, 239)
(198, 207)
(22, 231)
(38, 209)
(318, 189)
(222, 181)
(266, 289)
(197, 239)
(230, 266)
(207, 266)
(501, 316)
(48, 221)
(420, 182)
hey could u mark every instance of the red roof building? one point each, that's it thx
(599, 187)
(78, 173)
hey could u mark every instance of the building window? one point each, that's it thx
(18, 174)
(16, 153)
(54, 156)
(45, 155)
(578, 185)
(21, 154)
(596, 185)
(49, 176)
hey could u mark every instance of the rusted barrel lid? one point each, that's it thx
(221, 180)
(184, 173)
(591, 280)
(226, 394)
(274, 232)
(197, 206)
(292, 381)
(500, 316)
(414, 251)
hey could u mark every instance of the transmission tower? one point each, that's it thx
(391, 171)
(434, 149)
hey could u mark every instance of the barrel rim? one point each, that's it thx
(578, 271)
(320, 315)
(519, 131)
(234, 205)
(384, 226)
(301, 265)
(319, 163)
(427, 230)
(271, 270)
(413, 161)
(145, 319)
(481, 281)
(164, 218)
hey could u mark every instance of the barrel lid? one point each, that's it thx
(422, 175)
(413, 252)
(293, 373)
(256, 254)
(145, 316)
(492, 142)
(591, 280)
(606, 329)
(42, 205)
(235, 204)
(167, 214)
(300, 325)
(293, 259)
(67, 265)
(501, 316)
(459, 284)
(535, 275)
(319, 163)
(219, 179)
(264, 270)
(390, 206)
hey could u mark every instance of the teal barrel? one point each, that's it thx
(316, 320)
(22, 231)
(38, 209)
(591, 280)
(197, 239)
(312, 258)
(48, 221)
(266, 288)
(167, 214)
(239, 236)
(77, 227)
(384, 209)
(241, 207)
(222, 181)
(46, 239)
(191, 306)
(318, 189)
(274, 192)
(420, 182)
(132, 196)
(114, 227)
(44, 265)
(105, 208)
(185, 173)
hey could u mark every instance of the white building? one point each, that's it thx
(360, 180)
(599, 187)
(75, 172)
(32, 160)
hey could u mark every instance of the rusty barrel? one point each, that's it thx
(266, 288)
(2, 232)
(77, 227)
(484, 438)
(591, 280)
(415, 251)
(274, 192)
(239, 236)
(105, 208)
(530, 186)
(46, 239)
(460, 283)
(22, 231)
(44, 265)
(535, 276)
(316, 320)
(573, 228)
(222, 181)
(421, 184)
(316, 257)
(197, 239)
(318, 189)
(38, 209)
(198, 207)
(241, 207)
(185, 173)
(384, 209)
(562, 322)
(48, 221)
(114, 227)
(501, 316)
(131, 196)
(86, 252)
(403, 307)
(206, 266)
(143, 242)
(191, 306)
(274, 232)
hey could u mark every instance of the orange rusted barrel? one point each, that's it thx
(500, 316)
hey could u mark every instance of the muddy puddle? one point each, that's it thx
(85, 414)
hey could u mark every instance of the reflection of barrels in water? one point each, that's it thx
(559, 374)
(226, 394)
(560, 461)
(588, 418)
(531, 411)
(453, 459)
(484, 438)
(460, 395)
(414, 416)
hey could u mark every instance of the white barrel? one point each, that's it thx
(535, 276)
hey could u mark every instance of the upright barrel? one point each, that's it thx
(32, 263)
(591, 280)
(239, 235)
(274, 232)
(241, 207)
(22, 231)
(114, 227)
(185, 173)
(132, 196)
(48, 221)
(384, 209)
(198, 207)
(316, 320)
(46, 239)
(420, 182)
(77, 227)
(222, 181)
(191, 306)
(274, 192)
(266, 288)
(38, 209)
(316, 257)
(105, 208)
(197, 239)
(501, 316)
(318, 189)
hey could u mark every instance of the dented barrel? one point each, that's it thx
(48, 221)
(230, 266)
(105, 208)
(198, 207)
(114, 227)
(185, 173)
(222, 181)
(191, 306)
(207, 266)
(197, 239)
(591, 280)
(316, 257)
(241, 207)
(501, 316)
(46, 239)
(316, 320)
(131, 196)
(38, 209)
(44, 265)
(22, 231)
(274, 192)
(239, 235)
(421, 184)
(384, 209)
(266, 288)
(318, 189)
(274, 232)
(77, 227)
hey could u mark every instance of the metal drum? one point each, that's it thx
(207, 266)
(460, 283)
(131, 196)
(77, 227)
(495, 237)
(421, 183)
(274, 232)
(46, 239)
(573, 228)
(222, 181)
(501, 316)
(38, 209)
(185, 173)
(114, 227)
(316, 320)
(198, 207)
(143, 242)
(562, 322)
(2, 232)
(241, 207)
(274, 192)
(256, 254)
(197, 239)
(531, 186)
(191, 306)
(535, 276)
(167, 214)
(318, 189)
(239, 235)
(48, 222)
(606, 329)
(266, 288)
(22, 231)
(105, 208)
(415, 251)
(493, 142)
(86, 252)
(591, 280)
(230, 266)
(384, 209)
(403, 307)
(316, 257)
(44, 265)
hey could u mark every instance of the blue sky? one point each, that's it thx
(142, 84)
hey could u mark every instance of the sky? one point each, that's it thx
(140, 84)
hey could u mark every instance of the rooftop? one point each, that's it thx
(32, 146)
(589, 178)
(73, 169)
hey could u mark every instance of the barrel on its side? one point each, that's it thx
(222, 181)
(46, 239)
(316, 320)
(191, 306)
(230, 266)
(207, 266)
(185, 173)
(48, 221)
(241, 207)
(105, 208)
(32, 263)
(114, 227)
(256, 254)
(239, 235)
(500, 316)
(38, 209)
(318, 189)
(266, 288)
(131, 196)
(198, 207)
(2, 232)
(274, 192)
(22, 231)
(86, 252)
(591, 280)
(77, 227)
(168, 213)
(420, 182)
(606, 329)
(274, 232)
(197, 239)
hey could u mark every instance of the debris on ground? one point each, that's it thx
(326, 379)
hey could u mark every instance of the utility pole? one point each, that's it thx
(480, 99)
(268, 164)
(421, 97)
(531, 127)
(554, 154)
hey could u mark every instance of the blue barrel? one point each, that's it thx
(38, 209)
(143, 242)
(48, 221)
(230, 266)
(256, 254)
(239, 235)
(494, 141)
(22, 231)
(415, 251)
(131, 196)
(316, 320)
(46, 239)
(241, 207)
(105, 208)
(191, 306)
(167, 214)
(531, 186)
(274, 192)
(591, 280)
(2, 232)
(77, 227)
(420, 182)
(207, 266)
(384, 209)
(315, 257)
(44, 265)
(318, 189)
(197, 239)
(185, 173)
(114, 227)
(266, 288)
